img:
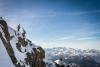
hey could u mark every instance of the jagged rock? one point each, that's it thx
(23, 52)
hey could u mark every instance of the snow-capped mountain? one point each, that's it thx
(67, 56)
(18, 51)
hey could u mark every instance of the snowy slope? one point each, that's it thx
(18, 51)
(5, 61)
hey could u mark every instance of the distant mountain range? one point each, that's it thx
(67, 56)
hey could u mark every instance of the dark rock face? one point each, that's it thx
(32, 55)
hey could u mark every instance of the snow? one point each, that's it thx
(20, 55)
(57, 61)
(5, 61)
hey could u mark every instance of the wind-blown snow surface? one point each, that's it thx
(5, 61)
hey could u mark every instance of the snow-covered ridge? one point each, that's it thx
(21, 51)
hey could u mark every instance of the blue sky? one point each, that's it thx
(56, 23)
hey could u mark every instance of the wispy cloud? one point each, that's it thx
(66, 38)
(82, 12)
(74, 38)
(87, 38)
(72, 13)
(47, 13)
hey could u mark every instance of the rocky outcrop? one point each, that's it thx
(21, 50)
